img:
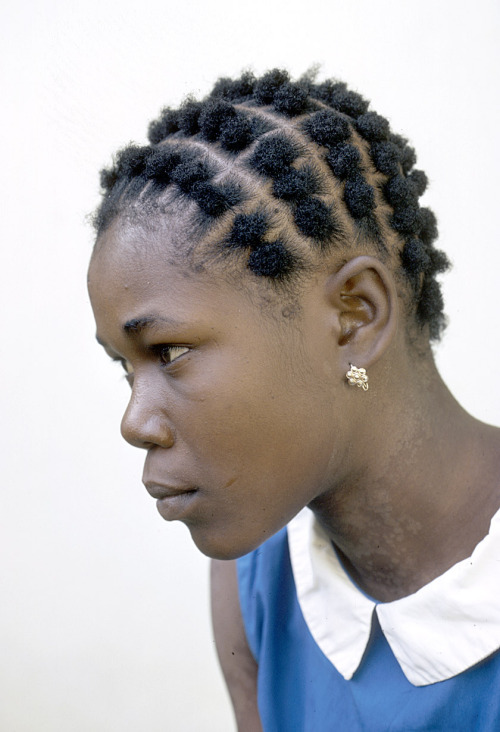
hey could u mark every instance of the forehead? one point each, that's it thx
(147, 226)
(136, 272)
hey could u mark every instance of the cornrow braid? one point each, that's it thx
(288, 170)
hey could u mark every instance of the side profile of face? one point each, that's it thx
(239, 410)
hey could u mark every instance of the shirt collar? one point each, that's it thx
(439, 631)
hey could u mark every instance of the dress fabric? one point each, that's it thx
(301, 690)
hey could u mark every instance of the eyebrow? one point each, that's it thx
(136, 326)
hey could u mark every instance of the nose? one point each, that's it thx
(144, 423)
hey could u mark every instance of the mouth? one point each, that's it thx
(172, 502)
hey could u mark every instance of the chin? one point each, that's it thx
(219, 546)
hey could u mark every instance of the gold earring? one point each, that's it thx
(357, 377)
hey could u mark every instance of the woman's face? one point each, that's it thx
(237, 408)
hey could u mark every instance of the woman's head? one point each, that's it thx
(266, 239)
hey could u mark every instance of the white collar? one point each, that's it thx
(444, 628)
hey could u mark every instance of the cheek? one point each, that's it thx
(262, 457)
(272, 432)
(243, 410)
(264, 413)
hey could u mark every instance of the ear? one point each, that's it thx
(365, 300)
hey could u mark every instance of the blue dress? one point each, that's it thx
(301, 690)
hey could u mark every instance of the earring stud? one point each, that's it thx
(357, 377)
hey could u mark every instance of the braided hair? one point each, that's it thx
(288, 170)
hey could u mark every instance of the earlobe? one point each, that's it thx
(364, 297)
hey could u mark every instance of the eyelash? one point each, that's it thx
(159, 352)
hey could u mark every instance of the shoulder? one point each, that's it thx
(237, 662)
(241, 592)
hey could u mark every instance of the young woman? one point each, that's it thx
(265, 275)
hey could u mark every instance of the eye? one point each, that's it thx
(129, 371)
(127, 367)
(168, 354)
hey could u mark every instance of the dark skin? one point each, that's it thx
(253, 419)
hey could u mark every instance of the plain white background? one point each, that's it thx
(104, 619)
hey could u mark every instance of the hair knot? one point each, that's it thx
(430, 307)
(327, 128)
(161, 164)
(359, 196)
(236, 133)
(407, 220)
(338, 96)
(414, 257)
(314, 219)
(248, 230)
(271, 260)
(385, 156)
(400, 192)
(214, 200)
(373, 127)
(234, 90)
(293, 184)
(419, 180)
(189, 116)
(428, 226)
(267, 86)
(439, 261)
(290, 99)
(273, 154)
(349, 102)
(214, 114)
(132, 161)
(107, 178)
(189, 172)
(406, 153)
(166, 125)
(344, 160)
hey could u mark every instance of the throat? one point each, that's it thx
(395, 533)
(391, 549)
(384, 579)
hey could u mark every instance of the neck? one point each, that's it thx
(424, 498)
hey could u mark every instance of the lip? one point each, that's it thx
(162, 490)
(172, 502)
